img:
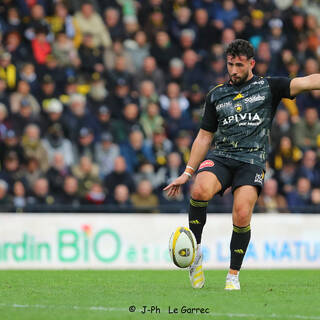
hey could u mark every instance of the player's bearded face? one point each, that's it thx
(239, 69)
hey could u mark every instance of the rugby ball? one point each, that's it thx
(182, 247)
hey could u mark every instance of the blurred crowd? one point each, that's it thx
(100, 100)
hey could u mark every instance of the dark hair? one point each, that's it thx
(240, 47)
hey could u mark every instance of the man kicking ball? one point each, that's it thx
(237, 119)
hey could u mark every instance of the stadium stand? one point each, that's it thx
(100, 100)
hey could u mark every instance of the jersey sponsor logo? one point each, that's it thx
(258, 82)
(206, 163)
(238, 96)
(223, 105)
(254, 98)
(254, 119)
(238, 107)
(259, 177)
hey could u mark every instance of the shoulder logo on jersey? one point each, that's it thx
(238, 96)
(206, 163)
(238, 107)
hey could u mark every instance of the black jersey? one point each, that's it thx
(241, 117)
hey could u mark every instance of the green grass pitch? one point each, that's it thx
(59, 295)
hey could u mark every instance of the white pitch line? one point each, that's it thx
(112, 309)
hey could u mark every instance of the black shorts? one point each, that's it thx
(233, 173)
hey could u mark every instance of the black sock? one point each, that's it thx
(238, 245)
(197, 217)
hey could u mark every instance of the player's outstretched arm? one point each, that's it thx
(301, 84)
(199, 150)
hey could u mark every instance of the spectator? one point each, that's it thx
(281, 126)
(119, 98)
(78, 116)
(307, 130)
(285, 152)
(276, 38)
(97, 96)
(177, 121)
(105, 154)
(146, 171)
(172, 170)
(95, 195)
(87, 173)
(47, 91)
(120, 71)
(144, 200)
(270, 201)
(121, 199)
(14, 22)
(32, 172)
(5, 200)
(203, 29)
(138, 49)
(150, 72)
(128, 122)
(161, 147)
(193, 73)
(118, 50)
(84, 145)
(299, 199)
(119, 175)
(163, 50)
(70, 195)
(175, 73)
(155, 23)
(136, 150)
(4, 123)
(147, 94)
(19, 199)
(181, 21)
(8, 71)
(65, 52)
(57, 173)
(256, 28)
(41, 48)
(37, 22)
(114, 23)
(28, 74)
(3, 92)
(315, 200)
(173, 92)
(24, 117)
(10, 143)
(225, 14)
(187, 39)
(33, 147)
(151, 120)
(23, 93)
(41, 195)
(216, 71)
(91, 56)
(309, 169)
(62, 21)
(11, 170)
(90, 21)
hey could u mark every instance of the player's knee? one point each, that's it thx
(201, 193)
(241, 215)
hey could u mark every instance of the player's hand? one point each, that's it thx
(174, 187)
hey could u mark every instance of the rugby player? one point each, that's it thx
(236, 122)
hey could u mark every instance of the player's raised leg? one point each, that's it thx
(205, 187)
(245, 198)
